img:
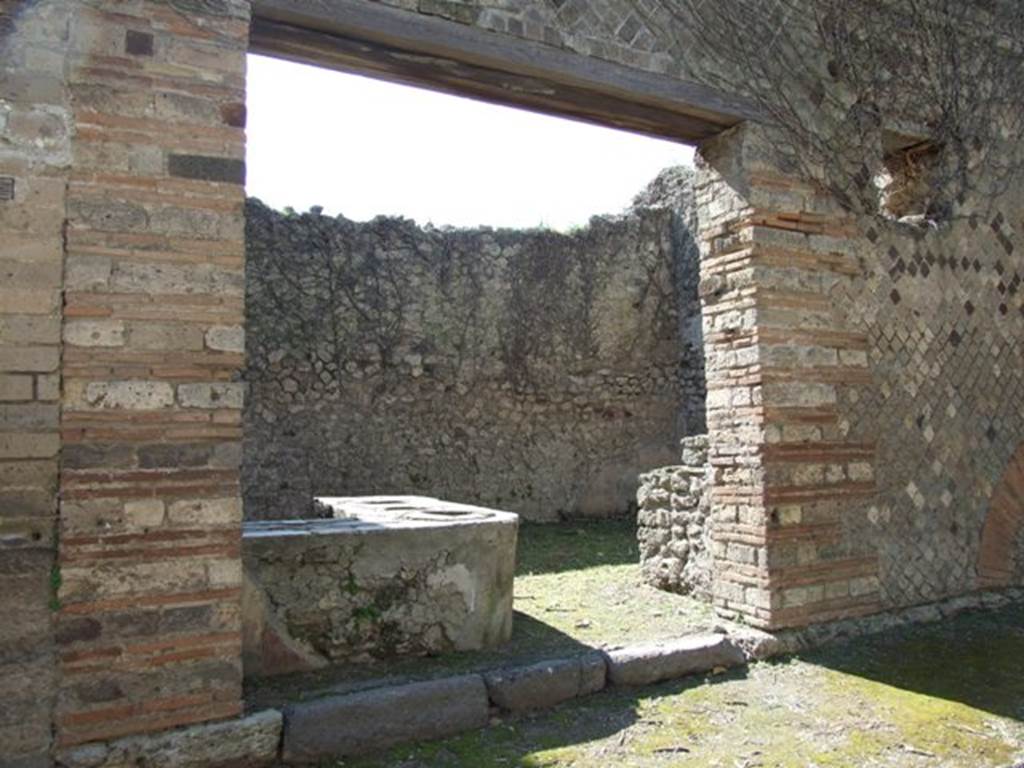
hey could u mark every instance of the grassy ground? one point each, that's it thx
(577, 587)
(942, 695)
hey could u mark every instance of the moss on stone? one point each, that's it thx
(577, 587)
(939, 695)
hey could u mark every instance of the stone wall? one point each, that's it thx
(941, 311)
(150, 519)
(525, 370)
(674, 506)
(35, 155)
(864, 376)
(865, 393)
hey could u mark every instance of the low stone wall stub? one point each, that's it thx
(349, 590)
(672, 523)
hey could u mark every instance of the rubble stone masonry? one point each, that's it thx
(527, 370)
(674, 505)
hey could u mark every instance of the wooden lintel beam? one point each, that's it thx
(404, 46)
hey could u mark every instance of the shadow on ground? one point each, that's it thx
(557, 548)
(947, 695)
(976, 659)
(577, 588)
(607, 721)
(533, 641)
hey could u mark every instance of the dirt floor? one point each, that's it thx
(577, 587)
(947, 694)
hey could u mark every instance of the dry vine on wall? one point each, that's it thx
(894, 106)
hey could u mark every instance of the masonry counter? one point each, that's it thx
(383, 576)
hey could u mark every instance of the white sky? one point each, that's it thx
(362, 147)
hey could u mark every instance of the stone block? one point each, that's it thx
(30, 329)
(48, 387)
(138, 43)
(26, 503)
(85, 583)
(28, 445)
(226, 338)
(156, 278)
(27, 595)
(204, 168)
(92, 455)
(30, 359)
(18, 276)
(165, 336)
(94, 333)
(654, 662)
(27, 744)
(108, 215)
(166, 455)
(15, 387)
(542, 685)
(373, 720)
(144, 513)
(87, 273)
(249, 741)
(36, 475)
(211, 396)
(208, 512)
(127, 395)
(186, 107)
(29, 301)
(36, 417)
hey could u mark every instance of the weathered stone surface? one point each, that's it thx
(394, 580)
(650, 663)
(209, 512)
(15, 387)
(211, 395)
(224, 169)
(250, 742)
(373, 720)
(127, 395)
(545, 684)
(103, 333)
(673, 522)
(226, 338)
(586, 347)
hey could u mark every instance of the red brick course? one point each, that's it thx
(150, 552)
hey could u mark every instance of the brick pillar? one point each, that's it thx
(776, 353)
(149, 627)
(34, 157)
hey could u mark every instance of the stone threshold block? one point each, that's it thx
(384, 576)
(543, 685)
(654, 662)
(370, 721)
